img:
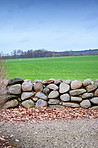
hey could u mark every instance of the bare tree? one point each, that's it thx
(3, 91)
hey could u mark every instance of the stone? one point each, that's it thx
(38, 87)
(55, 106)
(35, 99)
(28, 103)
(87, 82)
(28, 80)
(63, 88)
(53, 101)
(41, 103)
(38, 81)
(76, 99)
(87, 95)
(67, 82)
(76, 84)
(27, 86)
(53, 94)
(41, 95)
(70, 104)
(48, 82)
(91, 88)
(46, 90)
(65, 97)
(11, 104)
(96, 82)
(96, 93)
(57, 81)
(15, 81)
(52, 87)
(26, 95)
(85, 104)
(14, 89)
(94, 100)
(77, 92)
(94, 107)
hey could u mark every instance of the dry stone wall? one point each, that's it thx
(52, 93)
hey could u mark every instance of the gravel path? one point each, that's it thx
(75, 133)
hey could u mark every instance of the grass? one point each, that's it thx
(79, 67)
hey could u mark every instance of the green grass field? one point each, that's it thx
(64, 68)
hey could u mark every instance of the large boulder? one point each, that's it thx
(85, 104)
(53, 101)
(91, 88)
(67, 82)
(26, 95)
(77, 92)
(76, 99)
(70, 104)
(41, 95)
(14, 89)
(28, 103)
(76, 84)
(27, 86)
(48, 82)
(41, 103)
(65, 97)
(63, 88)
(94, 100)
(11, 104)
(38, 87)
(52, 87)
(57, 82)
(87, 82)
(53, 94)
(15, 81)
(46, 90)
(87, 95)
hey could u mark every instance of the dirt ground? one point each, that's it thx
(68, 133)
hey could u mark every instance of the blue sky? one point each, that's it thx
(55, 25)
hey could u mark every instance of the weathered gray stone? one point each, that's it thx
(65, 97)
(94, 107)
(38, 87)
(87, 82)
(52, 86)
(77, 92)
(91, 88)
(96, 82)
(14, 89)
(27, 86)
(26, 95)
(67, 82)
(55, 106)
(53, 94)
(87, 95)
(41, 95)
(57, 81)
(76, 84)
(41, 103)
(85, 104)
(53, 101)
(11, 104)
(28, 80)
(96, 93)
(63, 88)
(28, 103)
(46, 90)
(70, 104)
(76, 99)
(15, 81)
(94, 100)
(38, 81)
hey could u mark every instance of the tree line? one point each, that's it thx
(45, 53)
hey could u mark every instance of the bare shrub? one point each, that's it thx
(3, 90)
